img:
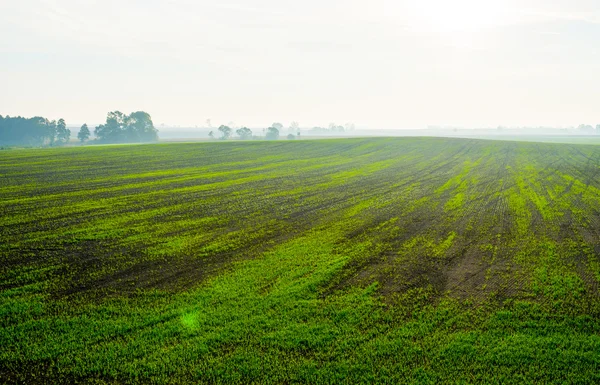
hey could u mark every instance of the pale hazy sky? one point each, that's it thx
(377, 63)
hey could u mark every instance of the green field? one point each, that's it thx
(391, 260)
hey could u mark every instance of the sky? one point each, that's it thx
(377, 63)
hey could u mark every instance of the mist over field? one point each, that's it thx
(284, 192)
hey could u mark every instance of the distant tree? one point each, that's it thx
(140, 128)
(244, 133)
(121, 128)
(319, 129)
(294, 127)
(350, 127)
(225, 132)
(114, 129)
(291, 136)
(272, 133)
(52, 131)
(84, 133)
(598, 129)
(278, 126)
(585, 127)
(336, 128)
(211, 135)
(63, 134)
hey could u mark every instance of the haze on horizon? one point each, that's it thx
(379, 64)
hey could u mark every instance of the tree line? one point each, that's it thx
(244, 133)
(38, 131)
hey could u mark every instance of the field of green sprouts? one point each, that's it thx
(405, 260)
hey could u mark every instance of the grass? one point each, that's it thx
(406, 260)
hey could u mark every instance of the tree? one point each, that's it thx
(225, 132)
(585, 127)
(244, 133)
(294, 127)
(121, 128)
(114, 129)
(272, 133)
(63, 134)
(278, 126)
(140, 128)
(211, 135)
(291, 137)
(51, 130)
(598, 129)
(84, 133)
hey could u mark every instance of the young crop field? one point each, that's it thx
(387, 260)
